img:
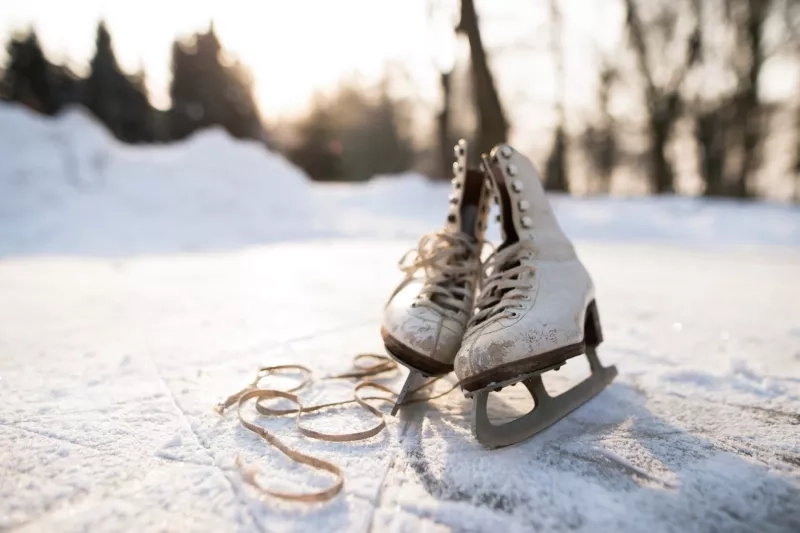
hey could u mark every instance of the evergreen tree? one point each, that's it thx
(205, 92)
(27, 76)
(119, 101)
(65, 86)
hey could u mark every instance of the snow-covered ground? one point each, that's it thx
(140, 286)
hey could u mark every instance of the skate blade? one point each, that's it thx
(496, 387)
(414, 381)
(547, 409)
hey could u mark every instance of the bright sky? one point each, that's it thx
(297, 47)
(292, 47)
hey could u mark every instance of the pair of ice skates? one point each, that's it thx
(524, 311)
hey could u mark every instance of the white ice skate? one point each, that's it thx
(536, 309)
(427, 314)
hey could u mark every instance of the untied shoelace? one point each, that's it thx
(252, 391)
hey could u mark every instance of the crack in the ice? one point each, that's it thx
(201, 441)
(401, 434)
(57, 438)
(376, 502)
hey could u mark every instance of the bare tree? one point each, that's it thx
(444, 137)
(556, 176)
(599, 141)
(492, 125)
(791, 15)
(750, 28)
(663, 101)
(729, 129)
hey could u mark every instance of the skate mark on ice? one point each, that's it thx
(770, 414)
(608, 454)
(53, 436)
(675, 443)
(235, 490)
(407, 416)
(378, 500)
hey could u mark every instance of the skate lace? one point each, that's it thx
(450, 262)
(366, 368)
(503, 283)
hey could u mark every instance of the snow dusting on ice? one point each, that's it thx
(139, 286)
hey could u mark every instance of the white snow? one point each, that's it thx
(139, 286)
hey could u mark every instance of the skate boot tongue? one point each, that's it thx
(454, 281)
(505, 267)
(503, 283)
(466, 224)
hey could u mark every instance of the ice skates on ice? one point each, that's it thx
(536, 309)
(427, 314)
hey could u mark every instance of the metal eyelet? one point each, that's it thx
(513, 314)
(516, 185)
(457, 168)
(527, 222)
(505, 151)
(511, 169)
(453, 199)
(524, 205)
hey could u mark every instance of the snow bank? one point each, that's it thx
(66, 186)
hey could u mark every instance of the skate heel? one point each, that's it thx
(547, 409)
(592, 332)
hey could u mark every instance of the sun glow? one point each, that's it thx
(292, 48)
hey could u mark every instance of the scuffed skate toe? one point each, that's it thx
(490, 358)
(421, 338)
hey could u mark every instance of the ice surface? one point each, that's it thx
(140, 290)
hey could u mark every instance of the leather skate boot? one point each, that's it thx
(426, 316)
(536, 309)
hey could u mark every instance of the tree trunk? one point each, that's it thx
(445, 140)
(662, 175)
(797, 155)
(709, 133)
(658, 123)
(556, 177)
(492, 125)
(664, 102)
(748, 108)
(556, 167)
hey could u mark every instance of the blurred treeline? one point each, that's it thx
(204, 91)
(691, 70)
